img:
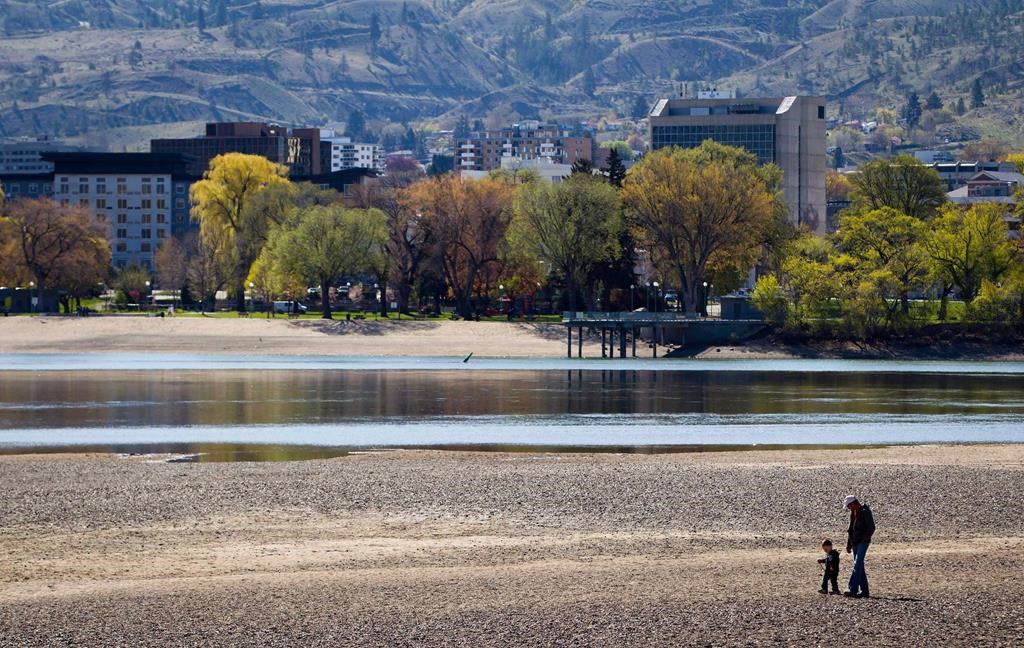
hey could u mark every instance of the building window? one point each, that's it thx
(122, 203)
(147, 188)
(122, 188)
(160, 187)
(161, 233)
(161, 203)
(180, 189)
(47, 188)
(122, 247)
(145, 247)
(180, 203)
(147, 218)
(64, 188)
(147, 233)
(83, 187)
(101, 218)
(101, 203)
(161, 218)
(122, 233)
(83, 202)
(101, 188)
(821, 112)
(122, 219)
(147, 204)
(32, 188)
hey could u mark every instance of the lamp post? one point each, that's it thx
(252, 295)
(647, 296)
(501, 297)
(657, 295)
(704, 306)
(632, 287)
(31, 299)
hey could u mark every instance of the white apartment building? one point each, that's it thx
(135, 196)
(339, 153)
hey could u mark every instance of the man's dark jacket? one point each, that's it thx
(862, 525)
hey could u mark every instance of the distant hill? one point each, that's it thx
(114, 67)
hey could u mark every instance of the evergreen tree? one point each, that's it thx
(589, 83)
(977, 95)
(960, 107)
(461, 130)
(222, 12)
(409, 140)
(404, 18)
(201, 20)
(838, 158)
(374, 31)
(912, 111)
(583, 165)
(933, 103)
(615, 169)
(640, 108)
(356, 126)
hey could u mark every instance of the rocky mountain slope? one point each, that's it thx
(114, 68)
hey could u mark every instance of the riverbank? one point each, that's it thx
(431, 548)
(419, 338)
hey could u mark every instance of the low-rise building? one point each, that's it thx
(26, 158)
(484, 150)
(339, 153)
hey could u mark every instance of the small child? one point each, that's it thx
(831, 564)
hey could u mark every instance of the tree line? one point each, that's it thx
(901, 251)
(688, 216)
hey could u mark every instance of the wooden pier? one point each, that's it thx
(623, 329)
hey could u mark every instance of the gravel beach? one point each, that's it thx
(446, 548)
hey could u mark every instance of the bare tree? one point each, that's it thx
(171, 267)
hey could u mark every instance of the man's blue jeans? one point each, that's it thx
(859, 578)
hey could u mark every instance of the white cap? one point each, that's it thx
(850, 499)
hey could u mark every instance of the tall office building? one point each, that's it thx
(788, 131)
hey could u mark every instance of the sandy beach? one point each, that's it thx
(280, 336)
(434, 548)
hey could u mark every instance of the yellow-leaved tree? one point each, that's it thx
(221, 204)
(702, 209)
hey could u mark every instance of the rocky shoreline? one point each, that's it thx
(453, 548)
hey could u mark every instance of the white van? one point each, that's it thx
(288, 307)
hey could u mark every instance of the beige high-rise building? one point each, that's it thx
(788, 131)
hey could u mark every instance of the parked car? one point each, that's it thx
(289, 307)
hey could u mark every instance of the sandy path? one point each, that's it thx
(280, 336)
(428, 548)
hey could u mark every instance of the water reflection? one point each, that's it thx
(250, 398)
(197, 452)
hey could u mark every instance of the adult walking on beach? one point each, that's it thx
(862, 526)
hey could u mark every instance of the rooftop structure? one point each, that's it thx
(484, 150)
(298, 149)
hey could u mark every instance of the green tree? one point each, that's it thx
(902, 183)
(615, 169)
(961, 108)
(702, 208)
(769, 298)
(933, 102)
(968, 247)
(912, 111)
(220, 204)
(886, 241)
(323, 243)
(977, 94)
(582, 165)
(572, 226)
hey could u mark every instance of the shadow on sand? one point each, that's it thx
(364, 327)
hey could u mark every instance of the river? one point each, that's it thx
(138, 400)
